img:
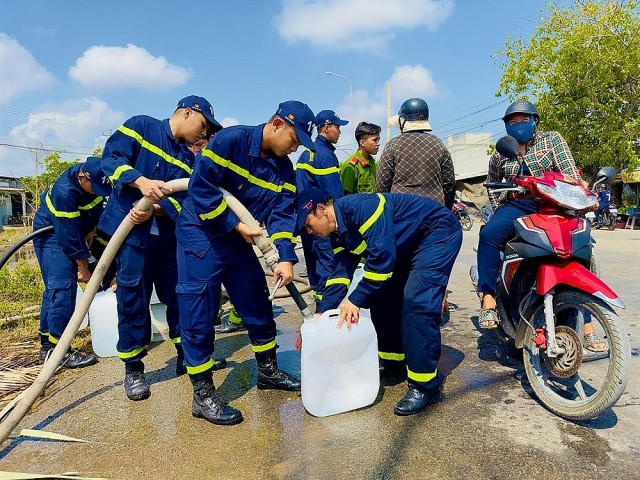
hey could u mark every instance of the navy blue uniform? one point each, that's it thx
(144, 146)
(318, 170)
(211, 252)
(73, 213)
(410, 244)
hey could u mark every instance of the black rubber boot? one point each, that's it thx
(208, 405)
(70, 359)
(180, 368)
(135, 384)
(416, 400)
(392, 369)
(270, 376)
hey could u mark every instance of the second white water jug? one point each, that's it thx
(339, 367)
(103, 313)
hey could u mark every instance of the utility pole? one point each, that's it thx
(388, 111)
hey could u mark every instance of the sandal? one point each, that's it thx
(594, 343)
(488, 319)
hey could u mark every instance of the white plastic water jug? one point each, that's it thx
(339, 367)
(85, 320)
(104, 323)
(103, 314)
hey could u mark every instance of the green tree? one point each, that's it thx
(582, 67)
(53, 168)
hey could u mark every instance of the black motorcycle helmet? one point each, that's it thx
(414, 109)
(521, 106)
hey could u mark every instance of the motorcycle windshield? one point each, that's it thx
(573, 197)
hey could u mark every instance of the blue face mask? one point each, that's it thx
(522, 131)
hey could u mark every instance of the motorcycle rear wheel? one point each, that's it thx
(612, 222)
(579, 385)
(466, 222)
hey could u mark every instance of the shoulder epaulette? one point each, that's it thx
(353, 160)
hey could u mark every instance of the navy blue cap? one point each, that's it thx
(301, 118)
(329, 117)
(201, 105)
(306, 203)
(100, 183)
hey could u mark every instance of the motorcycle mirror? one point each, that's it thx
(508, 147)
(607, 174)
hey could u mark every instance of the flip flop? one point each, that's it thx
(594, 343)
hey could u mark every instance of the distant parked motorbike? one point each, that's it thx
(607, 216)
(546, 294)
(461, 211)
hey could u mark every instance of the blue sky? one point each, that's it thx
(72, 71)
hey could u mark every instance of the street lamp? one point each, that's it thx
(350, 101)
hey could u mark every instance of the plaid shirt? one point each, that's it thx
(549, 152)
(417, 163)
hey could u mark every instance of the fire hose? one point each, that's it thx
(267, 249)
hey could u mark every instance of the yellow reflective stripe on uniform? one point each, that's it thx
(396, 357)
(421, 377)
(132, 353)
(366, 225)
(214, 213)
(338, 281)
(265, 347)
(360, 248)
(200, 368)
(176, 340)
(59, 213)
(317, 171)
(100, 240)
(283, 235)
(153, 149)
(119, 171)
(338, 250)
(175, 204)
(89, 206)
(52, 339)
(378, 277)
(245, 173)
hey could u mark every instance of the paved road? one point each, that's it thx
(486, 425)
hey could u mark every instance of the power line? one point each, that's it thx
(42, 149)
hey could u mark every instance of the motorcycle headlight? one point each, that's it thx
(573, 197)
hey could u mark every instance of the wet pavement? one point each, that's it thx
(486, 424)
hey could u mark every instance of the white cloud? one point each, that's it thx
(413, 81)
(20, 71)
(407, 81)
(103, 67)
(363, 25)
(77, 126)
(229, 122)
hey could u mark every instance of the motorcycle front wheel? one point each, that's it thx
(466, 221)
(579, 384)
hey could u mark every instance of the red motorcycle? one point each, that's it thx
(546, 294)
(460, 210)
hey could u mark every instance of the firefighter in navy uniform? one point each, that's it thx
(73, 206)
(214, 247)
(320, 170)
(405, 239)
(139, 158)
